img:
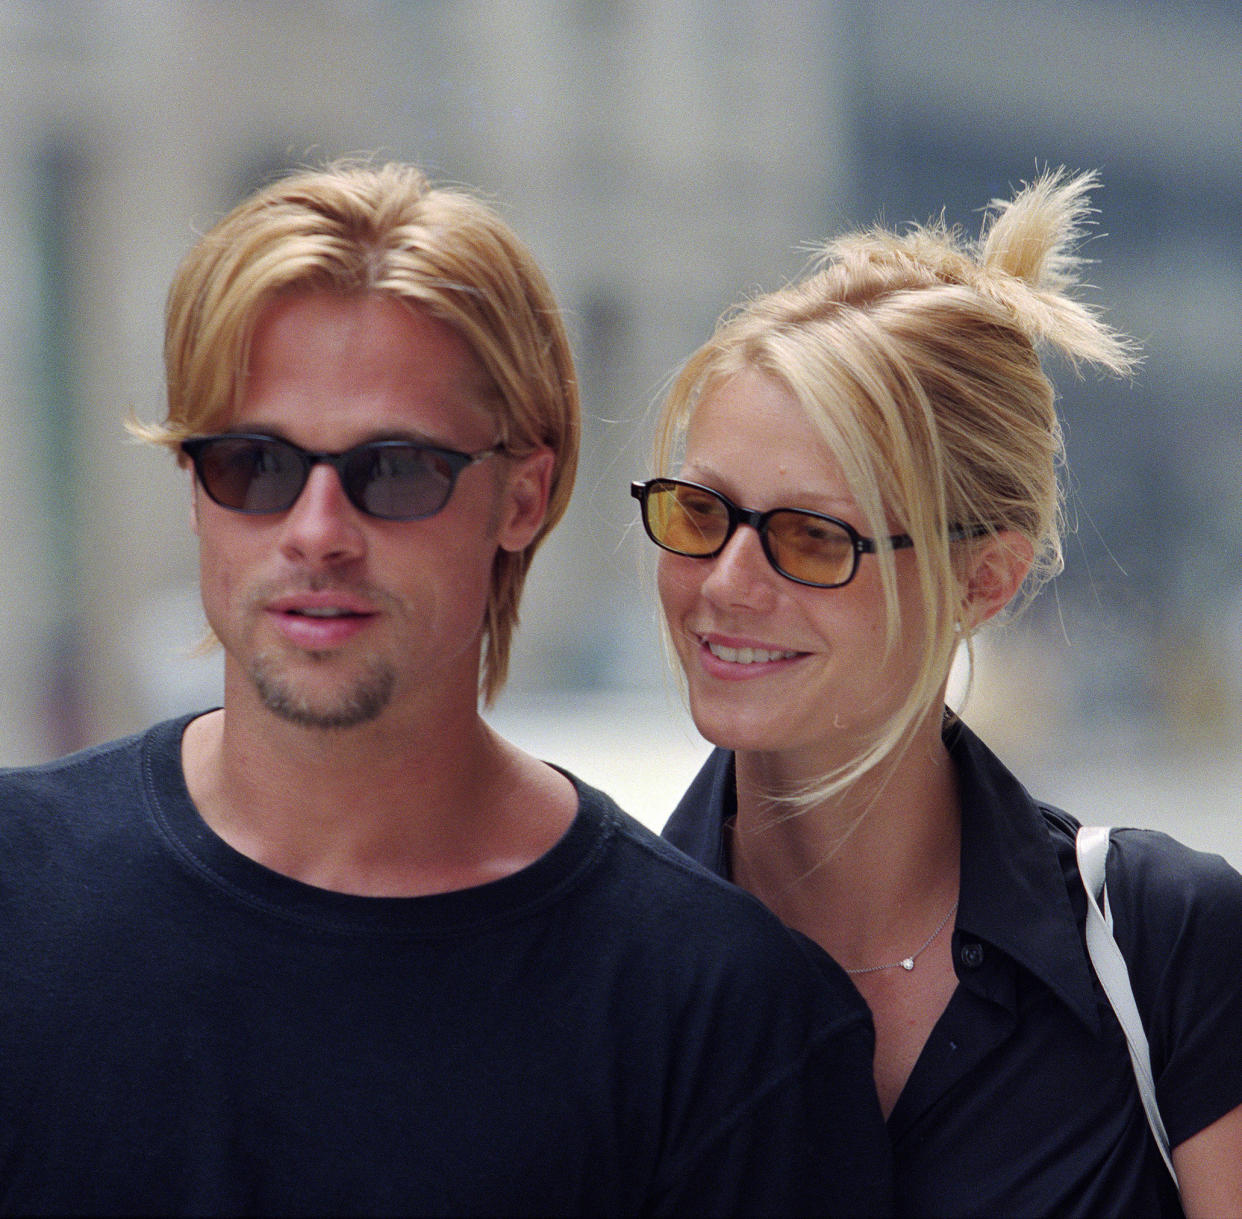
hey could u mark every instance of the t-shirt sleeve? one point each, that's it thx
(1177, 917)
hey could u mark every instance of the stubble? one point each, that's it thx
(359, 701)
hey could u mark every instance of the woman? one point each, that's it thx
(865, 473)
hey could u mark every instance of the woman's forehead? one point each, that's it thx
(751, 437)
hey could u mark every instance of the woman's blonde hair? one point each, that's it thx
(351, 229)
(915, 355)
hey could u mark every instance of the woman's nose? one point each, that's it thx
(741, 574)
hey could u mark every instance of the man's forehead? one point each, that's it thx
(365, 335)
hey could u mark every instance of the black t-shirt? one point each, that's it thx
(608, 1031)
(1023, 1100)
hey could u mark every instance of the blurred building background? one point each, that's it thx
(662, 158)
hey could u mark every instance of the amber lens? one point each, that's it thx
(809, 547)
(687, 520)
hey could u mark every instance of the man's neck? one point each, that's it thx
(378, 810)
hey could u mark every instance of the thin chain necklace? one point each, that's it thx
(907, 963)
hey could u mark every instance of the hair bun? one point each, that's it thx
(1029, 262)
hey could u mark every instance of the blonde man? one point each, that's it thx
(335, 946)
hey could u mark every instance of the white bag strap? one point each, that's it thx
(1110, 967)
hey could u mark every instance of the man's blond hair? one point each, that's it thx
(354, 229)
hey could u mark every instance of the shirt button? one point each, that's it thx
(972, 955)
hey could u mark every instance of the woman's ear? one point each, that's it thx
(995, 569)
(525, 503)
(193, 503)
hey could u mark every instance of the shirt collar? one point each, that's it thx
(1014, 887)
(698, 823)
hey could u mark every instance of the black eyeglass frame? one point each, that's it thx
(758, 521)
(195, 447)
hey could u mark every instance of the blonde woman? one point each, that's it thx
(858, 473)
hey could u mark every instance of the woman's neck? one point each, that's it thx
(865, 871)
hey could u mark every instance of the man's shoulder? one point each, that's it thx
(710, 927)
(91, 778)
(103, 755)
(659, 866)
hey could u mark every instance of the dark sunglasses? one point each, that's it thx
(807, 547)
(395, 480)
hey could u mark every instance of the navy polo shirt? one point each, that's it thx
(1023, 1101)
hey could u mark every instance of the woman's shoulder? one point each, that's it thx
(1167, 880)
(1154, 875)
(1177, 917)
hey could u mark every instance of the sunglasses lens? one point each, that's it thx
(251, 475)
(390, 479)
(686, 520)
(810, 548)
(399, 482)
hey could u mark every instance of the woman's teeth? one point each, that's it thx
(746, 656)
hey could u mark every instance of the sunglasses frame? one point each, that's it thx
(758, 521)
(195, 448)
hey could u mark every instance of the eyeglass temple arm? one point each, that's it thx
(896, 541)
(902, 541)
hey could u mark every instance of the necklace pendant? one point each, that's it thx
(907, 964)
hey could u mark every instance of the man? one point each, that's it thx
(336, 947)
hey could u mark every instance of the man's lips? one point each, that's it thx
(321, 620)
(322, 605)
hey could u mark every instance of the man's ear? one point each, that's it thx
(995, 569)
(525, 503)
